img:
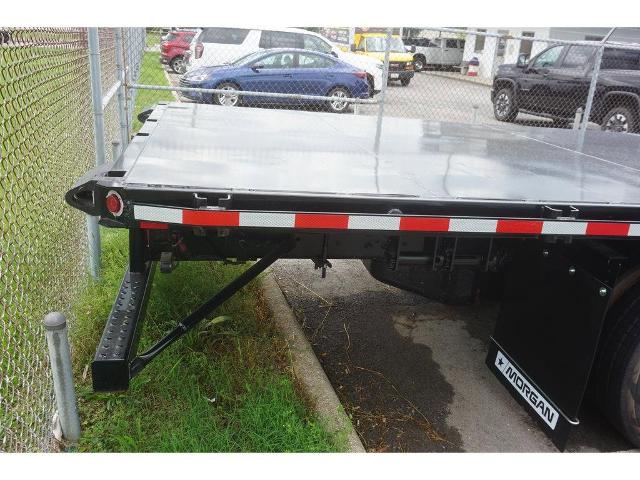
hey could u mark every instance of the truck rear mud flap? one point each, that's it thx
(548, 330)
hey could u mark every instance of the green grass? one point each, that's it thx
(153, 36)
(225, 387)
(151, 73)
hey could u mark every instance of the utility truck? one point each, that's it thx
(545, 221)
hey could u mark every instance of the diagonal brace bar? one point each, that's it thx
(190, 321)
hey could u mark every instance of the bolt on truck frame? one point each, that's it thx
(545, 220)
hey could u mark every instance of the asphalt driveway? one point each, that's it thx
(411, 372)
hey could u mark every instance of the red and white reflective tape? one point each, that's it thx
(158, 218)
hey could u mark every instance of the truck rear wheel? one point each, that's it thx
(616, 372)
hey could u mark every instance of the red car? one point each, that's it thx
(172, 48)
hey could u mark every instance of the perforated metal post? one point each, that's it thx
(55, 325)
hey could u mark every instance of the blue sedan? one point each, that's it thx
(280, 71)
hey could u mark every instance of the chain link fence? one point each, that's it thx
(507, 77)
(67, 94)
(44, 111)
(47, 142)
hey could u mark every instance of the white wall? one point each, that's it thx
(488, 57)
(489, 61)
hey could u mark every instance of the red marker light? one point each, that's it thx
(114, 203)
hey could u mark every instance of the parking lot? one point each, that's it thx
(437, 96)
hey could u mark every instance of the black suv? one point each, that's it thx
(555, 83)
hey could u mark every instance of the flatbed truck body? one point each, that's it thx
(546, 221)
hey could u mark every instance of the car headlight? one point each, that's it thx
(197, 77)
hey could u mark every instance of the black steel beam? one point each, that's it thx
(190, 321)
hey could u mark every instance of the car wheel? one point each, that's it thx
(504, 108)
(418, 64)
(619, 119)
(177, 64)
(405, 81)
(227, 99)
(338, 106)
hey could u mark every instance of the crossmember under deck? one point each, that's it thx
(434, 202)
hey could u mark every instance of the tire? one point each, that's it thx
(620, 119)
(228, 100)
(419, 64)
(616, 371)
(405, 82)
(336, 106)
(504, 107)
(177, 64)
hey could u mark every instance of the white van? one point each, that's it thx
(436, 52)
(219, 45)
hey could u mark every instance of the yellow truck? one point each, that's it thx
(373, 43)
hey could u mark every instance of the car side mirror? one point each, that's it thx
(256, 68)
(334, 53)
(412, 49)
(522, 60)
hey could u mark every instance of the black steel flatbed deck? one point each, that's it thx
(308, 161)
(320, 154)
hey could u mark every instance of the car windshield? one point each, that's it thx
(379, 44)
(245, 59)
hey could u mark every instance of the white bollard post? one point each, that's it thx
(55, 325)
(115, 150)
(577, 119)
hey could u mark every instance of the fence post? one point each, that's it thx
(592, 87)
(55, 325)
(383, 91)
(93, 230)
(122, 98)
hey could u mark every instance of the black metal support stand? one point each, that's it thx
(206, 308)
(116, 361)
(117, 347)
